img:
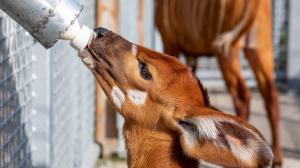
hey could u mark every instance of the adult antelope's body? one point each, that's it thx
(169, 122)
(222, 28)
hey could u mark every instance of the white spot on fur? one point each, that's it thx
(244, 153)
(224, 41)
(190, 139)
(89, 61)
(137, 97)
(134, 50)
(118, 96)
(208, 164)
(206, 127)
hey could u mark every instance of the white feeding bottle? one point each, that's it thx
(50, 20)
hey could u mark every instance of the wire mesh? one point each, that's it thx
(72, 101)
(15, 94)
(280, 37)
(73, 90)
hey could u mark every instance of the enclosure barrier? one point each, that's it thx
(47, 101)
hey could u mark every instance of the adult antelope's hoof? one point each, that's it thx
(277, 164)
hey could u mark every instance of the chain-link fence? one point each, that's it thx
(280, 37)
(73, 90)
(47, 101)
(15, 94)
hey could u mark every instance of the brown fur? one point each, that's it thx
(200, 28)
(156, 132)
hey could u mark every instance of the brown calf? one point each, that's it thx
(169, 121)
(222, 28)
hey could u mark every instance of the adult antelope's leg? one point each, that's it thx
(231, 70)
(171, 50)
(191, 61)
(261, 63)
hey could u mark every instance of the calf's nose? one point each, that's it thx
(100, 31)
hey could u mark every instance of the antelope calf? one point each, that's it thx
(169, 121)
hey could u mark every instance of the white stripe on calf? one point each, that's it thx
(89, 61)
(190, 138)
(206, 127)
(244, 153)
(137, 97)
(118, 96)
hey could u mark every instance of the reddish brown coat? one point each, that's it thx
(222, 28)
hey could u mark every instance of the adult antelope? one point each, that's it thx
(169, 121)
(222, 28)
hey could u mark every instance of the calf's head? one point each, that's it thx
(155, 91)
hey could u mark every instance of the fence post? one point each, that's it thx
(141, 22)
(41, 108)
(107, 15)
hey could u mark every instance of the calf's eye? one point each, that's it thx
(144, 71)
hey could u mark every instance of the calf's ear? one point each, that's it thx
(222, 139)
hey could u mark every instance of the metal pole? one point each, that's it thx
(46, 20)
